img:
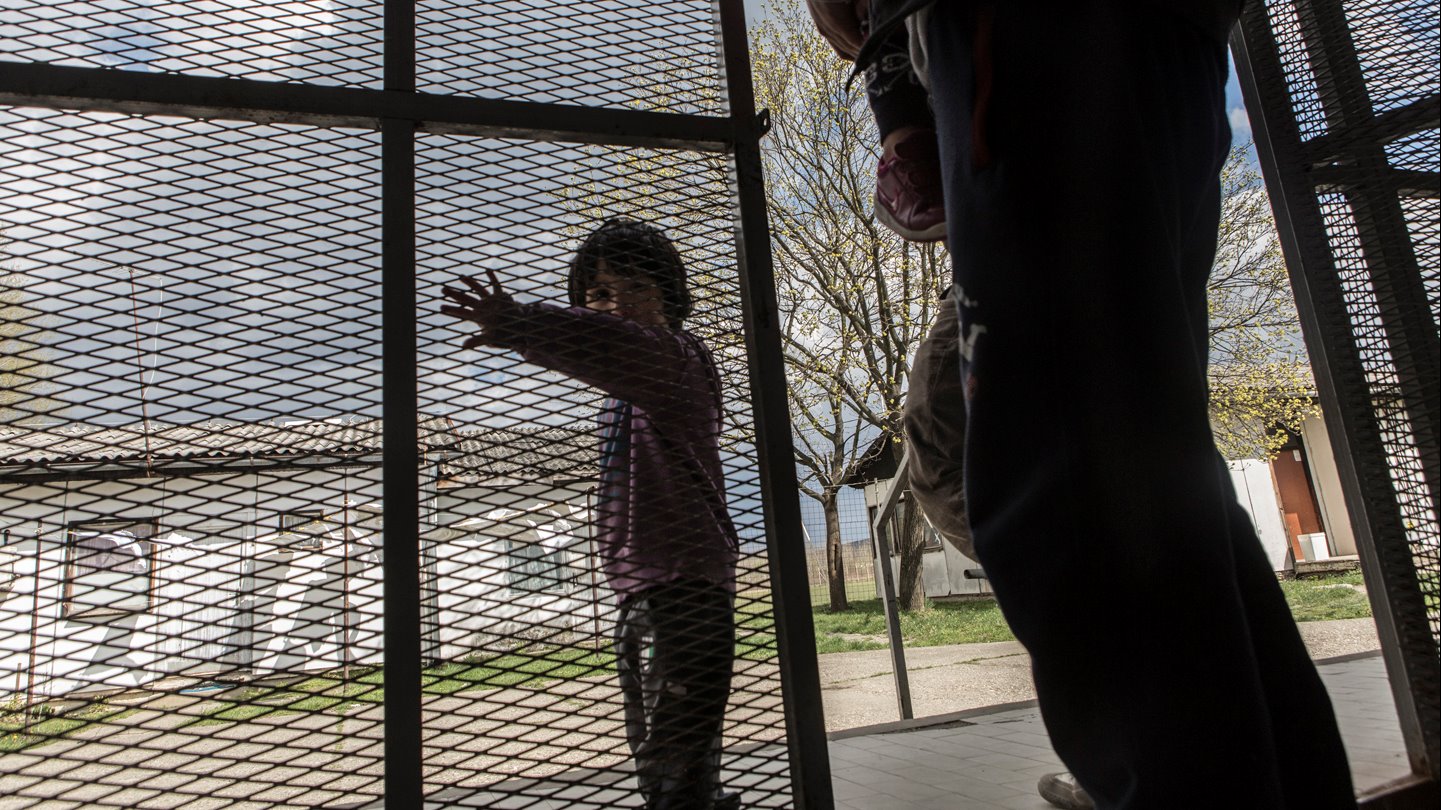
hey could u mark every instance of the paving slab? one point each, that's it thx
(991, 758)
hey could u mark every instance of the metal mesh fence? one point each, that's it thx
(304, 41)
(189, 461)
(858, 554)
(1347, 104)
(585, 53)
(594, 389)
(198, 413)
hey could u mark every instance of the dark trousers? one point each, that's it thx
(674, 648)
(1081, 145)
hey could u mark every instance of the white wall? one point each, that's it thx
(1256, 489)
(229, 594)
(477, 606)
(1326, 479)
(224, 595)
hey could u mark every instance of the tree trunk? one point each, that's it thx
(835, 565)
(910, 540)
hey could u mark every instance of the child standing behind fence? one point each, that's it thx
(667, 544)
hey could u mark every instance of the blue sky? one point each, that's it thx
(1236, 110)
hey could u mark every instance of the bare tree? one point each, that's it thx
(1261, 385)
(856, 299)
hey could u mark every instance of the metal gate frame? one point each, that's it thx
(1349, 160)
(399, 112)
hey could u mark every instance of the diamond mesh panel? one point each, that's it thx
(1296, 69)
(1395, 55)
(189, 462)
(1356, 167)
(329, 42)
(1421, 152)
(552, 503)
(1387, 395)
(616, 53)
(1418, 152)
(1397, 45)
(1423, 221)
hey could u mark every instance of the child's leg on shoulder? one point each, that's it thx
(894, 92)
(909, 194)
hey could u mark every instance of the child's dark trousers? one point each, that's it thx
(674, 647)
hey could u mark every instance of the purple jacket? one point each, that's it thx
(661, 507)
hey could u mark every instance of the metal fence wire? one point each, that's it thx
(274, 534)
(858, 552)
(1345, 102)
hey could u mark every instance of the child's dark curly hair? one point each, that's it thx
(632, 248)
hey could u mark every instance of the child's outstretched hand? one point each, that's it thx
(487, 307)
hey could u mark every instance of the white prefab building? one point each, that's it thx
(135, 555)
(1294, 501)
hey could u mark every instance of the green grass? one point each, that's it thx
(534, 666)
(517, 669)
(332, 694)
(16, 736)
(967, 622)
(755, 627)
(863, 626)
(1326, 598)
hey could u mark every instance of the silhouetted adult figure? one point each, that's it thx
(1081, 145)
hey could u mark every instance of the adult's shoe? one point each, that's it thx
(1061, 790)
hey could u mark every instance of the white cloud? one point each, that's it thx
(1240, 123)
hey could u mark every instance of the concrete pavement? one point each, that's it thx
(858, 689)
(562, 741)
(991, 758)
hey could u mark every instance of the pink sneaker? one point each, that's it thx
(909, 198)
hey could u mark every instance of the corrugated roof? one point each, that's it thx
(469, 455)
(89, 443)
(525, 454)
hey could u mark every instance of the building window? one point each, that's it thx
(299, 518)
(307, 529)
(534, 567)
(110, 568)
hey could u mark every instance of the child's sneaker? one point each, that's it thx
(909, 196)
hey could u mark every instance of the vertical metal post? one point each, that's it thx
(345, 584)
(887, 520)
(592, 564)
(401, 485)
(790, 587)
(34, 630)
